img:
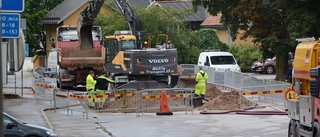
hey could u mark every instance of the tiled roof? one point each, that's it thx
(62, 11)
(200, 15)
(212, 20)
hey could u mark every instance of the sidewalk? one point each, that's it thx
(28, 110)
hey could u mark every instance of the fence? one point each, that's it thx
(178, 99)
(244, 83)
(130, 100)
(44, 90)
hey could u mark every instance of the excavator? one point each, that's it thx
(127, 60)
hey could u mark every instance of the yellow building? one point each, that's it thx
(223, 32)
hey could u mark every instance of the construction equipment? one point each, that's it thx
(304, 99)
(73, 63)
(130, 63)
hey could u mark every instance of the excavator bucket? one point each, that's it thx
(186, 82)
(85, 36)
(187, 78)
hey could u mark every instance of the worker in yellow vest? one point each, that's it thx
(201, 79)
(102, 86)
(90, 84)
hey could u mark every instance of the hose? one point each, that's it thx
(246, 112)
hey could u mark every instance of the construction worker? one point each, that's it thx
(101, 86)
(170, 45)
(201, 79)
(90, 84)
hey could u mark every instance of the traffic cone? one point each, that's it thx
(164, 107)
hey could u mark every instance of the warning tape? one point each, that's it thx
(61, 96)
(44, 85)
(110, 95)
(76, 96)
(159, 96)
(264, 92)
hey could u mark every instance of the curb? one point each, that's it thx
(46, 117)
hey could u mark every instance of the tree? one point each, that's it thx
(35, 11)
(274, 24)
(163, 20)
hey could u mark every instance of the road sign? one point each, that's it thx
(26, 50)
(16, 6)
(10, 23)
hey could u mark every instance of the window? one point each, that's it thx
(111, 49)
(222, 60)
(127, 44)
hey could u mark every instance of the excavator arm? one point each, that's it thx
(85, 24)
(87, 16)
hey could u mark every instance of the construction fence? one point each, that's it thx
(260, 91)
(124, 100)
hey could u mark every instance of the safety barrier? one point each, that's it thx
(72, 101)
(44, 90)
(267, 95)
(236, 81)
(178, 99)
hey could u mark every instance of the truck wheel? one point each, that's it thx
(290, 129)
(270, 70)
(296, 132)
(316, 129)
(58, 84)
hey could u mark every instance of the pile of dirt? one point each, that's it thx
(212, 92)
(223, 100)
(226, 101)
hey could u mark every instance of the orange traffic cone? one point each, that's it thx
(164, 107)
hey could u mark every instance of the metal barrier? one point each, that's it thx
(72, 101)
(178, 99)
(124, 100)
(44, 90)
(237, 81)
(267, 95)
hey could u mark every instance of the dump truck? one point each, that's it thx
(303, 96)
(74, 64)
(130, 63)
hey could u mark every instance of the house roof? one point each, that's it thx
(200, 15)
(62, 11)
(212, 21)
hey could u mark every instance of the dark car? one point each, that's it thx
(14, 128)
(268, 67)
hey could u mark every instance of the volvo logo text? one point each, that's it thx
(153, 61)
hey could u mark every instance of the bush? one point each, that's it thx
(246, 55)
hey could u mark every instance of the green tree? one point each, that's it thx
(164, 20)
(275, 24)
(246, 55)
(35, 11)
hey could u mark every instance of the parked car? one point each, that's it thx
(15, 128)
(268, 67)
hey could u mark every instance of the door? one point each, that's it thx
(10, 127)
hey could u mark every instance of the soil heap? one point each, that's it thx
(219, 100)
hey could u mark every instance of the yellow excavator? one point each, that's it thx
(127, 60)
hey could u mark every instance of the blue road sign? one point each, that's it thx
(12, 6)
(26, 54)
(10, 25)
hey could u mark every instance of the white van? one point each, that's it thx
(51, 69)
(219, 61)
